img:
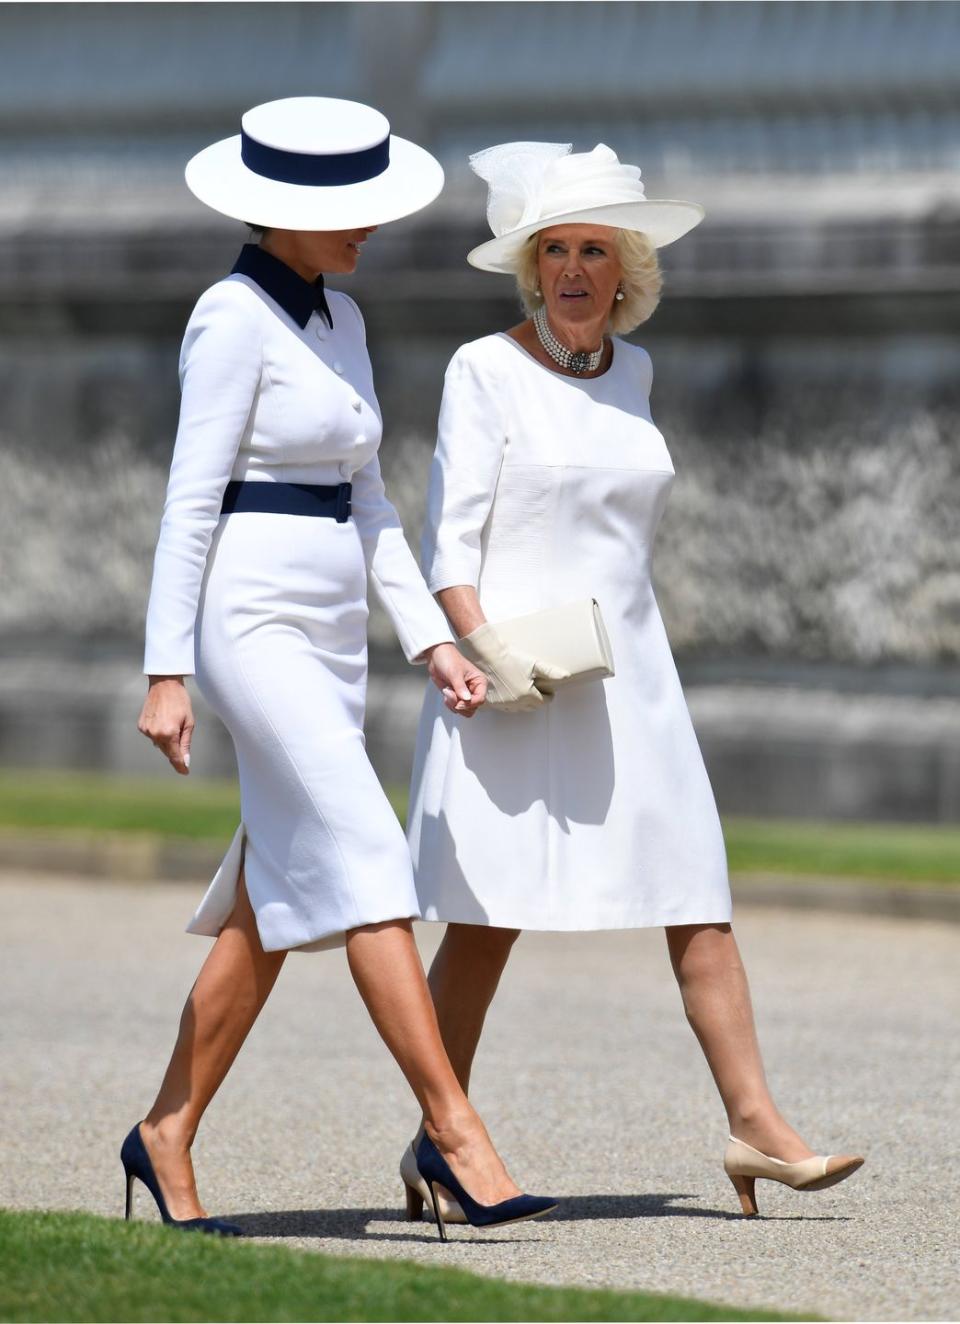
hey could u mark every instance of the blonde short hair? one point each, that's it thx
(641, 280)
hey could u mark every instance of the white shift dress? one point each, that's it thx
(270, 610)
(595, 811)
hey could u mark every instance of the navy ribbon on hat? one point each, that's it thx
(314, 168)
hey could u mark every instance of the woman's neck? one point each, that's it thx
(279, 247)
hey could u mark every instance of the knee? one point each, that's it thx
(701, 952)
(492, 946)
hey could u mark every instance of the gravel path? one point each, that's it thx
(589, 1080)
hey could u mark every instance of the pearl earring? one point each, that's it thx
(619, 296)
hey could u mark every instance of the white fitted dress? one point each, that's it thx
(270, 610)
(594, 811)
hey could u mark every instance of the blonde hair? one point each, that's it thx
(641, 280)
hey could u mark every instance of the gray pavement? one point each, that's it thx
(589, 1080)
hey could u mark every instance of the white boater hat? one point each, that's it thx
(536, 185)
(314, 163)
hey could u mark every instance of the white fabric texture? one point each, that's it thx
(595, 811)
(270, 610)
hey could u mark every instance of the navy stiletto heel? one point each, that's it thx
(435, 1171)
(136, 1163)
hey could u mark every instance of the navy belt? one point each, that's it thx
(288, 499)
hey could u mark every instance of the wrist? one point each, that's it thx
(159, 680)
(432, 649)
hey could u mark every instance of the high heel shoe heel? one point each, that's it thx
(436, 1172)
(418, 1193)
(136, 1164)
(743, 1165)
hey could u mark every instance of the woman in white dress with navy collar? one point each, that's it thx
(275, 515)
(588, 808)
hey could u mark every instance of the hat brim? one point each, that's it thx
(661, 220)
(219, 178)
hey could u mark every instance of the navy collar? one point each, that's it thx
(296, 296)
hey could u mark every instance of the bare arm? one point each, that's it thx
(462, 606)
(516, 681)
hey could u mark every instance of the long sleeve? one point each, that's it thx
(463, 477)
(220, 366)
(392, 567)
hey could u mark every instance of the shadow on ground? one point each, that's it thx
(354, 1224)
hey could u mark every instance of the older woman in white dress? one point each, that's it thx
(588, 808)
(275, 516)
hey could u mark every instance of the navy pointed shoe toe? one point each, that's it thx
(436, 1171)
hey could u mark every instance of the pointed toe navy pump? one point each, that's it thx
(435, 1171)
(136, 1163)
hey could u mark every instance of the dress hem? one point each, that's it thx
(217, 904)
(660, 922)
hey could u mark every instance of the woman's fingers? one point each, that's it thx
(167, 720)
(179, 753)
(170, 743)
(463, 685)
(476, 683)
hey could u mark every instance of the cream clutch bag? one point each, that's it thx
(572, 636)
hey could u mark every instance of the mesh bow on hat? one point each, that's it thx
(534, 185)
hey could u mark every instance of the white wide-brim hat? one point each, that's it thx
(536, 185)
(314, 163)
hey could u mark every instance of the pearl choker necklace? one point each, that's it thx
(579, 361)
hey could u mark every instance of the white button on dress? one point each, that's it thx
(277, 638)
(338, 367)
(594, 811)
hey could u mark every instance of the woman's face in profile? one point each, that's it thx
(311, 252)
(579, 270)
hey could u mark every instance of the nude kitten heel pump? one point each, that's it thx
(743, 1165)
(418, 1193)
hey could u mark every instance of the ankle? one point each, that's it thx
(451, 1130)
(752, 1114)
(169, 1133)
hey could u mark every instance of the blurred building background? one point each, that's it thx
(806, 353)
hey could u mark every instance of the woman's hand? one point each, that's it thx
(463, 686)
(167, 719)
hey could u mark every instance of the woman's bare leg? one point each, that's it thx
(387, 970)
(716, 998)
(231, 989)
(463, 979)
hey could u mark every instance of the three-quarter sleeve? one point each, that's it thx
(463, 477)
(220, 366)
(418, 621)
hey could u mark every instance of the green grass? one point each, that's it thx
(192, 808)
(886, 852)
(185, 807)
(76, 1267)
